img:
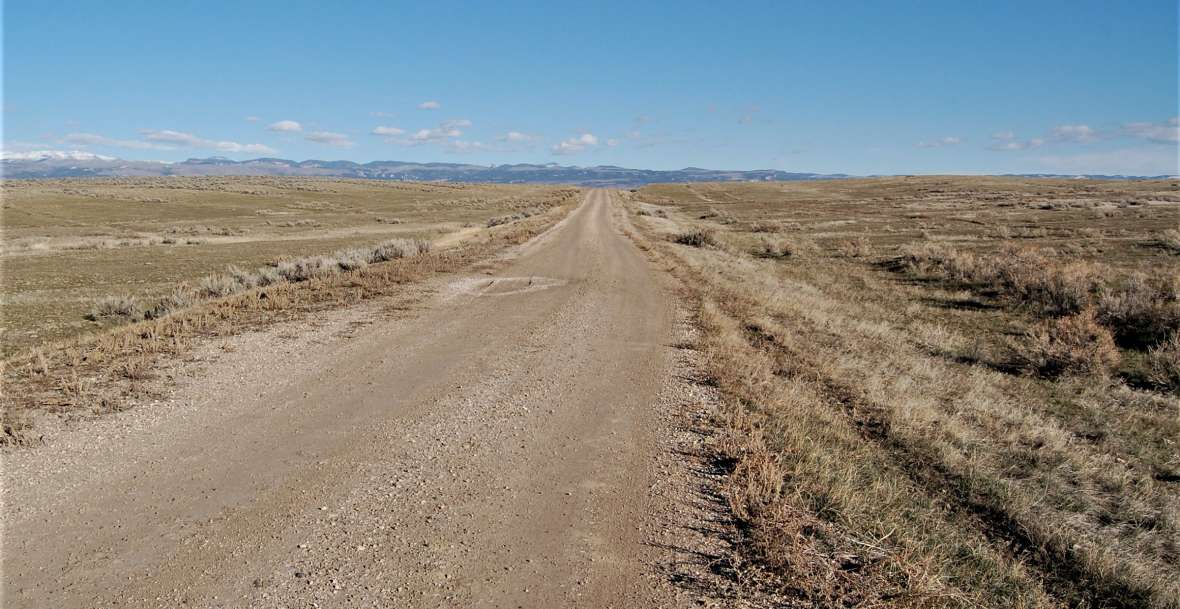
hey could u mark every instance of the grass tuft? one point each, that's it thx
(126, 307)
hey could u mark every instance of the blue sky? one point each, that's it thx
(856, 87)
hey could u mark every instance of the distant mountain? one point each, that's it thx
(59, 164)
(53, 164)
(1088, 176)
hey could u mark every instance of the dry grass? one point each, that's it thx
(882, 447)
(106, 370)
(70, 243)
(124, 306)
(696, 238)
(1164, 363)
(1071, 345)
(510, 218)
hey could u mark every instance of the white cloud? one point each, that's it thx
(252, 119)
(1153, 160)
(93, 139)
(1074, 133)
(285, 126)
(575, 145)
(1007, 140)
(429, 105)
(380, 114)
(56, 155)
(330, 138)
(388, 131)
(612, 142)
(1162, 133)
(454, 124)
(179, 138)
(445, 130)
(941, 142)
(461, 146)
(518, 137)
(422, 136)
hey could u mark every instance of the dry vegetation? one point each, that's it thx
(71, 246)
(126, 308)
(941, 392)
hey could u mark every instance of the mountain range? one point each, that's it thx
(71, 164)
(56, 164)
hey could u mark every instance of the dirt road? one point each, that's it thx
(495, 448)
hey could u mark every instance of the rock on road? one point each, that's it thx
(494, 448)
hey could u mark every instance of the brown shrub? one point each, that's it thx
(719, 216)
(696, 238)
(1170, 240)
(1163, 363)
(181, 297)
(1070, 345)
(765, 226)
(216, 286)
(857, 247)
(1143, 311)
(651, 210)
(776, 248)
(115, 306)
(1026, 276)
(1056, 290)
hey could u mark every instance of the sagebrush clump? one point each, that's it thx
(115, 306)
(696, 238)
(1071, 345)
(1163, 363)
(1143, 310)
(1140, 310)
(236, 280)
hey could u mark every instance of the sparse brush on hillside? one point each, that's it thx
(142, 236)
(91, 374)
(651, 210)
(1139, 309)
(870, 463)
(1026, 276)
(236, 280)
(507, 219)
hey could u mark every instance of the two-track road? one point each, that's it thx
(494, 449)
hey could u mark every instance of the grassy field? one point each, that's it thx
(71, 243)
(941, 391)
(152, 303)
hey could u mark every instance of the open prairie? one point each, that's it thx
(69, 244)
(941, 391)
(903, 392)
(492, 424)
